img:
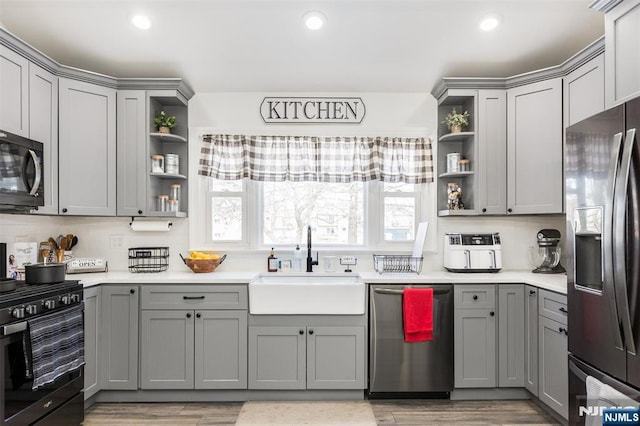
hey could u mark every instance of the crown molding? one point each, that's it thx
(604, 5)
(10, 41)
(585, 55)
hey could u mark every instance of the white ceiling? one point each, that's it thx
(261, 45)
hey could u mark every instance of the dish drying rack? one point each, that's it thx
(148, 259)
(403, 264)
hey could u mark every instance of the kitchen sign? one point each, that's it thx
(312, 110)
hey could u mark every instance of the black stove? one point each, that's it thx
(31, 300)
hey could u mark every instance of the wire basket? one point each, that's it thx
(397, 264)
(148, 259)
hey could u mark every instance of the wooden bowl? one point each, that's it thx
(203, 265)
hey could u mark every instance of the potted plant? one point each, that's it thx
(165, 122)
(456, 121)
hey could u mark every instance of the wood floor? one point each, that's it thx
(387, 412)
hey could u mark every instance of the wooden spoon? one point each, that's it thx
(69, 241)
(63, 243)
(53, 243)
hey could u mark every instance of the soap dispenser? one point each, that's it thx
(297, 259)
(272, 262)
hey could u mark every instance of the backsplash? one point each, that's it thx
(95, 234)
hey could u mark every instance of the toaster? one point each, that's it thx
(472, 252)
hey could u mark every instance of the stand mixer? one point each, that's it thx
(547, 254)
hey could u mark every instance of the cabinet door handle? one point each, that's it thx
(64, 210)
(132, 291)
(310, 331)
(198, 315)
(532, 292)
(139, 211)
(193, 297)
(563, 330)
(509, 210)
(301, 332)
(189, 315)
(484, 210)
(563, 309)
(475, 297)
(492, 313)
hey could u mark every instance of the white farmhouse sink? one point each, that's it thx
(312, 293)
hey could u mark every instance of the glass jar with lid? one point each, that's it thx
(161, 203)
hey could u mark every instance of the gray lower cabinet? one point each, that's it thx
(553, 376)
(475, 336)
(307, 357)
(91, 341)
(193, 337)
(119, 334)
(14, 89)
(552, 358)
(531, 339)
(43, 127)
(534, 140)
(87, 149)
(132, 157)
(511, 305)
(185, 349)
(622, 52)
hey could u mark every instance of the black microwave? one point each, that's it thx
(21, 174)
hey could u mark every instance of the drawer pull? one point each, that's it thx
(563, 309)
(563, 330)
(193, 297)
(475, 297)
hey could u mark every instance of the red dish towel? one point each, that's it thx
(417, 314)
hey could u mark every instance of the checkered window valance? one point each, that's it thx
(318, 159)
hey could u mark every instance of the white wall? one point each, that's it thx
(388, 114)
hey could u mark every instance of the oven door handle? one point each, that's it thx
(7, 330)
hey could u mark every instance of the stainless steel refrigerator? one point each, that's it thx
(602, 187)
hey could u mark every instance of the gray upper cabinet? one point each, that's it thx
(583, 91)
(131, 153)
(119, 333)
(87, 146)
(531, 339)
(622, 52)
(14, 89)
(43, 127)
(492, 152)
(511, 305)
(92, 356)
(534, 148)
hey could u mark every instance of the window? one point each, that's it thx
(345, 215)
(399, 206)
(335, 212)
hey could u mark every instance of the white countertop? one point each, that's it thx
(553, 282)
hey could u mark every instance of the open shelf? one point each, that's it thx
(168, 176)
(169, 214)
(455, 174)
(168, 137)
(456, 137)
(463, 212)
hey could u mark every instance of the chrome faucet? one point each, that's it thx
(310, 261)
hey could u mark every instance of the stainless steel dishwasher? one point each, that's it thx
(396, 367)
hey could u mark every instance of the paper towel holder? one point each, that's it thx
(168, 225)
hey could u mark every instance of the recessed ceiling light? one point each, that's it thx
(141, 21)
(489, 23)
(314, 20)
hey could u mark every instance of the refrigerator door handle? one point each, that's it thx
(608, 285)
(619, 242)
